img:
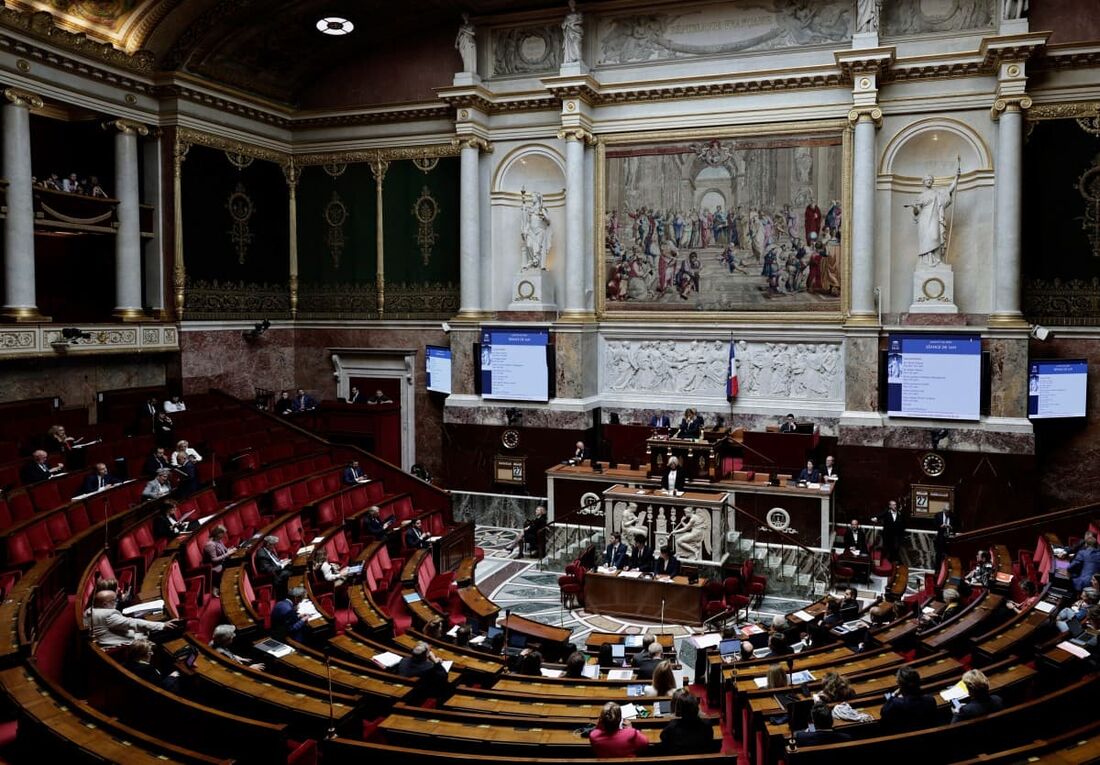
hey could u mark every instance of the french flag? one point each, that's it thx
(731, 380)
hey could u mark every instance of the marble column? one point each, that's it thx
(293, 174)
(379, 168)
(179, 269)
(575, 139)
(128, 287)
(863, 215)
(1006, 293)
(19, 283)
(469, 227)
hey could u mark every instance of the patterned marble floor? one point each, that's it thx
(518, 586)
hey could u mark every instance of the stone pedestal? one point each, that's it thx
(934, 290)
(573, 69)
(533, 290)
(466, 79)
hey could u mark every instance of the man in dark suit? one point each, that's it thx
(849, 607)
(855, 537)
(822, 718)
(353, 396)
(906, 708)
(666, 564)
(424, 664)
(374, 524)
(648, 661)
(660, 421)
(285, 622)
(353, 474)
(98, 480)
(615, 553)
(893, 531)
(829, 473)
(284, 405)
(641, 556)
(691, 426)
(788, 425)
(269, 563)
(415, 536)
(38, 469)
(946, 528)
(158, 460)
(580, 453)
(810, 474)
(531, 530)
(674, 476)
(303, 402)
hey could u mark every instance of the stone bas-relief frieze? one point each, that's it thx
(915, 17)
(723, 29)
(800, 371)
(526, 50)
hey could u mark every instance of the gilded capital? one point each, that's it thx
(378, 168)
(1009, 104)
(472, 142)
(127, 126)
(577, 134)
(21, 97)
(292, 173)
(861, 113)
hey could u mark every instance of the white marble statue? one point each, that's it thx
(691, 534)
(867, 15)
(1015, 9)
(535, 233)
(633, 524)
(930, 215)
(572, 33)
(466, 44)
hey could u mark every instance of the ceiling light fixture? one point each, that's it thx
(334, 25)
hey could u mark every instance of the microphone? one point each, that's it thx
(331, 710)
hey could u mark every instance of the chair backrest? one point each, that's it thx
(19, 550)
(58, 526)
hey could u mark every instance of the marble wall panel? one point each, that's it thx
(1008, 389)
(77, 380)
(224, 359)
(861, 374)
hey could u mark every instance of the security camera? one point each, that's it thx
(446, 328)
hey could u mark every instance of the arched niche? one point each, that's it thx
(533, 167)
(934, 146)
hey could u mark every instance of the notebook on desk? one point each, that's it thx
(274, 648)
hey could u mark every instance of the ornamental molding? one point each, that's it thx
(127, 127)
(42, 26)
(21, 97)
(192, 137)
(874, 113)
(472, 142)
(45, 340)
(577, 134)
(1009, 104)
(394, 154)
(1064, 111)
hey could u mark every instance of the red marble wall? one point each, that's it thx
(224, 359)
(1068, 452)
(408, 69)
(1068, 22)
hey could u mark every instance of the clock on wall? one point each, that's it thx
(933, 464)
(510, 438)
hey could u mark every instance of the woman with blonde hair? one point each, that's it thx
(777, 676)
(663, 682)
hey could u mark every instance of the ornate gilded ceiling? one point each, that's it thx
(268, 47)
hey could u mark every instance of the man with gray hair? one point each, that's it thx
(653, 656)
(268, 563)
(285, 621)
(158, 487)
(222, 642)
(110, 628)
(424, 664)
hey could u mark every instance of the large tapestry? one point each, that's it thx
(724, 224)
(1061, 225)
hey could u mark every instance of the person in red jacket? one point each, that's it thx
(614, 738)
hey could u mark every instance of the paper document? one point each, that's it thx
(1045, 606)
(307, 610)
(447, 664)
(956, 691)
(633, 641)
(551, 672)
(805, 676)
(305, 550)
(630, 574)
(274, 648)
(620, 674)
(386, 660)
(591, 671)
(629, 711)
(761, 682)
(477, 640)
(1076, 650)
(452, 631)
(803, 616)
(709, 640)
(205, 518)
(144, 608)
(317, 540)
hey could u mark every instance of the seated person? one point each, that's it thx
(1079, 610)
(829, 473)
(809, 474)
(1027, 590)
(666, 564)
(687, 733)
(640, 557)
(887, 608)
(574, 665)
(122, 596)
(158, 460)
(832, 616)
(284, 405)
(529, 663)
(222, 642)
(379, 398)
(98, 480)
(463, 635)
(354, 474)
(776, 677)
(615, 737)
(646, 664)
(109, 628)
(167, 524)
(422, 662)
(415, 536)
(788, 425)
(580, 453)
(184, 454)
(777, 644)
(270, 564)
(1085, 562)
(906, 708)
(821, 730)
(849, 607)
(674, 476)
(374, 524)
(660, 421)
(159, 486)
(691, 426)
(353, 396)
(663, 682)
(139, 661)
(38, 469)
(854, 537)
(837, 691)
(981, 702)
(982, 572)
(285, 621)
(303, 402)
(530, 536)
(175, 404)
(164, 430)
(615, 553)
(326, 570)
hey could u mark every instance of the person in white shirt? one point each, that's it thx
(183, 453)
(109, 628)
(829, 473)
(158, 487)
(175, 405)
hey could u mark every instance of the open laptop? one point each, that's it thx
(1078, 635)
(729, 649)
(517, 641)
(618, 651)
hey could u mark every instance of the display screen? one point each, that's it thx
(934, 377)
(514, 364)
(437, 362)
(1057, 388)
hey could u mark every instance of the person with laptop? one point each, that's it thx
(1078, 611)
(906, 707)
(821, 730)
(615, 553)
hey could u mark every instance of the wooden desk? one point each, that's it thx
(643, 598)
(553, 640)
(696, 456)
